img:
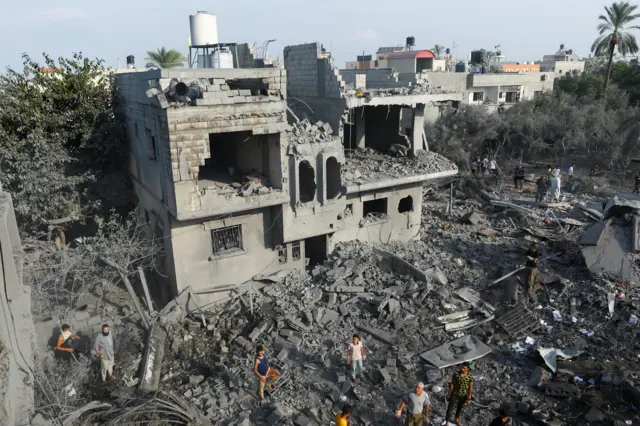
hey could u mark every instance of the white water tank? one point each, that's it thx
(222, 59)
(204, 29)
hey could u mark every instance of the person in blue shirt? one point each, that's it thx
(266, 375)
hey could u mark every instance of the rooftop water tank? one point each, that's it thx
(479, 57)
(222, 59)
(204, 29)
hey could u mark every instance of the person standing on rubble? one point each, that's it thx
(415, 401)
(520, 175)
(341, 418)
(530, 270)
(355, 357)
(474, 167)
(570, 171)
(636, 186)
(485, 164)
(263, 371)
(460, 392)
(103, 345)
(493, 167)
(542, 185)
(64, 349)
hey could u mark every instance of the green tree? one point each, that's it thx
(613, 33)
(438, 49)
(63, 151)
(163, 58)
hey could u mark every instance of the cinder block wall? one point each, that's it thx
(314, 85)
(381, 78)
(16, 325)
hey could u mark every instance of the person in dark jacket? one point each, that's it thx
(636, 185)
(530, 270)
(520, 174)
(542, 185)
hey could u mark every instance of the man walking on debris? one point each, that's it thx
(474, 167)
(263, 371)
(542, 185)
(636, 186)
(341, 418)
(493, 167)
(501, 420)
(570, 173)
(555, 183)
(64, 349)
(415, 401)
(355, 357)
(520, 174)
(528, 283)
(485, 164)
(460, 392)
(103, 346)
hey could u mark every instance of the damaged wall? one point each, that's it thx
(202, 265)
(16, 326)
(314, 80)
(382, 78)
(395, 227)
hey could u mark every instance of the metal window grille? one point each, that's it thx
(282, 254)
(295, 250)
(227, 240)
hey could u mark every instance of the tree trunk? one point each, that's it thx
(612, 47)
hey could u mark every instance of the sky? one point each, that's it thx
(108, 30)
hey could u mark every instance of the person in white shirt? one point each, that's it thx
(355, 356)
(571, 171)
(485, 163)
(493, 167)
(556, 172)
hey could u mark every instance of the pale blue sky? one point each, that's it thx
(525, 29)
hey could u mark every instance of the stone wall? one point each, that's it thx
(16, 325)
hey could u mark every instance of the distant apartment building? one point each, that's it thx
(563, 62)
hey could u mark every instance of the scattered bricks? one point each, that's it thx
(253, 336)
(341, 377)
(386, 377)
(333, 298)
(81, 315)
(302, 421)
(196, 380)
(472, 218)
(283, 354)
(94, 321)
(224, 87)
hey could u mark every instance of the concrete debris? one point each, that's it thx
(304, 132)
(366, 165)
(464, 349)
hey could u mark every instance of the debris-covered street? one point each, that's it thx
(567, 358)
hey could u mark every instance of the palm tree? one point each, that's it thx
(613, 33)
(163, 58)
(438, 49)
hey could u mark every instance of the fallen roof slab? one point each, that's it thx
(152, 361)
(464, 349)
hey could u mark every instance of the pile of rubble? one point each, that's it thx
(246, 186)
(303, 132)
(365, 165)
(422, 309)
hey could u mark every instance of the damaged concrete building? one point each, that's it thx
(234, 191)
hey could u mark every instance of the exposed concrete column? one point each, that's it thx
(360, 126)
(418, 129)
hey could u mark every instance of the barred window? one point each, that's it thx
(295, 250)
(227, 240)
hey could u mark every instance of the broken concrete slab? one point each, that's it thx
(464, 349)
(614, 255)
(472, 218)
(377, 333)
(488, 232)
(152, 360)
(402, 266)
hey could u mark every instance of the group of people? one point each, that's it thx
(550, 179)
(102, 346)
(482, 166)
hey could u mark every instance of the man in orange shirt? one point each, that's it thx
(341, 418)
(64, 350)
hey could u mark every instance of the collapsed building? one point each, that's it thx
(234, 191)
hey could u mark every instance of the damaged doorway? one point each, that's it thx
(315, 249)
(307, 181)
(334, 185)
